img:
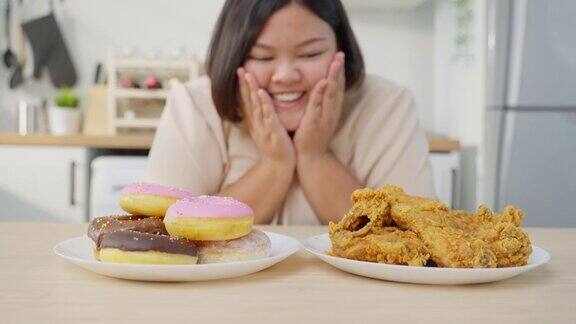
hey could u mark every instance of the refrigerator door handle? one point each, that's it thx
(515, 61)
(72, 197)
(506, 147)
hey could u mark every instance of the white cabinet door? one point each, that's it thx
(109, 174)
(40, 183)
(445, 168)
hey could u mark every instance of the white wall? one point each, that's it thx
(459, 81)
(400, 46)
(460, 91)
(397, 45)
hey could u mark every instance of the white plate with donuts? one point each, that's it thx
(320, 244)
(79, 250)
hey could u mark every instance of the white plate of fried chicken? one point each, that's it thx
(320, 245)
(393, 236)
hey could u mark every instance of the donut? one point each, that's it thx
(138, 239)
(209, 218)
(149, 199)
(109, 224)
(255, 245)
(129, 246)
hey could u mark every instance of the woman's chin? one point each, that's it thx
(290, 120)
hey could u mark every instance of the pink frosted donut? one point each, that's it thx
(209, 218)
(255, 245)
(150, 199)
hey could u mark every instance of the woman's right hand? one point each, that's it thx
(270, 136)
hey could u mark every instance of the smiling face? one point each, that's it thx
(292, 53)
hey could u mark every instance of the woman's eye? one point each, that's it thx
(311, 55)
(262, 58)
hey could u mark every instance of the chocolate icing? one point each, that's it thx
(137, 233)
(105, 225)
(129, 240)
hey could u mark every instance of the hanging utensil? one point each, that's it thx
(17, 77)
(9, 58)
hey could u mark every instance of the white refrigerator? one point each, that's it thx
(531, 109)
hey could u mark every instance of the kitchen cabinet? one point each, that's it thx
(39, 183)
(108, 175)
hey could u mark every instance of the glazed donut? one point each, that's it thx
(138, 239)
(255, 245)
(209, 218)
(149, 199)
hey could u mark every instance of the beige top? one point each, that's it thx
(379, 139)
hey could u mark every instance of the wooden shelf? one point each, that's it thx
(137, 123)
(141, 141)
(167, 68)
(443, 145)
(152, 64)
(392, 5)
(141, 93)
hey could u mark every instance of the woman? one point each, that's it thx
(286, 120)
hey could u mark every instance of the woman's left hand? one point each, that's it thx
(322, 115)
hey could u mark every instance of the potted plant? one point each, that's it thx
(64, 115)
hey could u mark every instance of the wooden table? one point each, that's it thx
(38, 286)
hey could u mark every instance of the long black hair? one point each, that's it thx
(237, 29)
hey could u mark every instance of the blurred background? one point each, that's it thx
(83, 83)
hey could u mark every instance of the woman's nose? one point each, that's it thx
(286, 73)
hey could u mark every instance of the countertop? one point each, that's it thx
(144, 141)
(38, 286)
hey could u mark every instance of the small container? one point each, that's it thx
(64, 121)
(26, 118)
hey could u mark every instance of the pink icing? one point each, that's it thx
(209, 207)
(148, 188)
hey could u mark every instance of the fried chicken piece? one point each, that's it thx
(363, 233)
(450, 239)
(462, 240)
(508, 241)
(372, 204)
(375, 204)
(384, 245)
(387, 225)
(395, 195)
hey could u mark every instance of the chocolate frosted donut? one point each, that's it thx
(138, 239)
(108, 224)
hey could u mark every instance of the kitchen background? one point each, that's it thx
(441, 50)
